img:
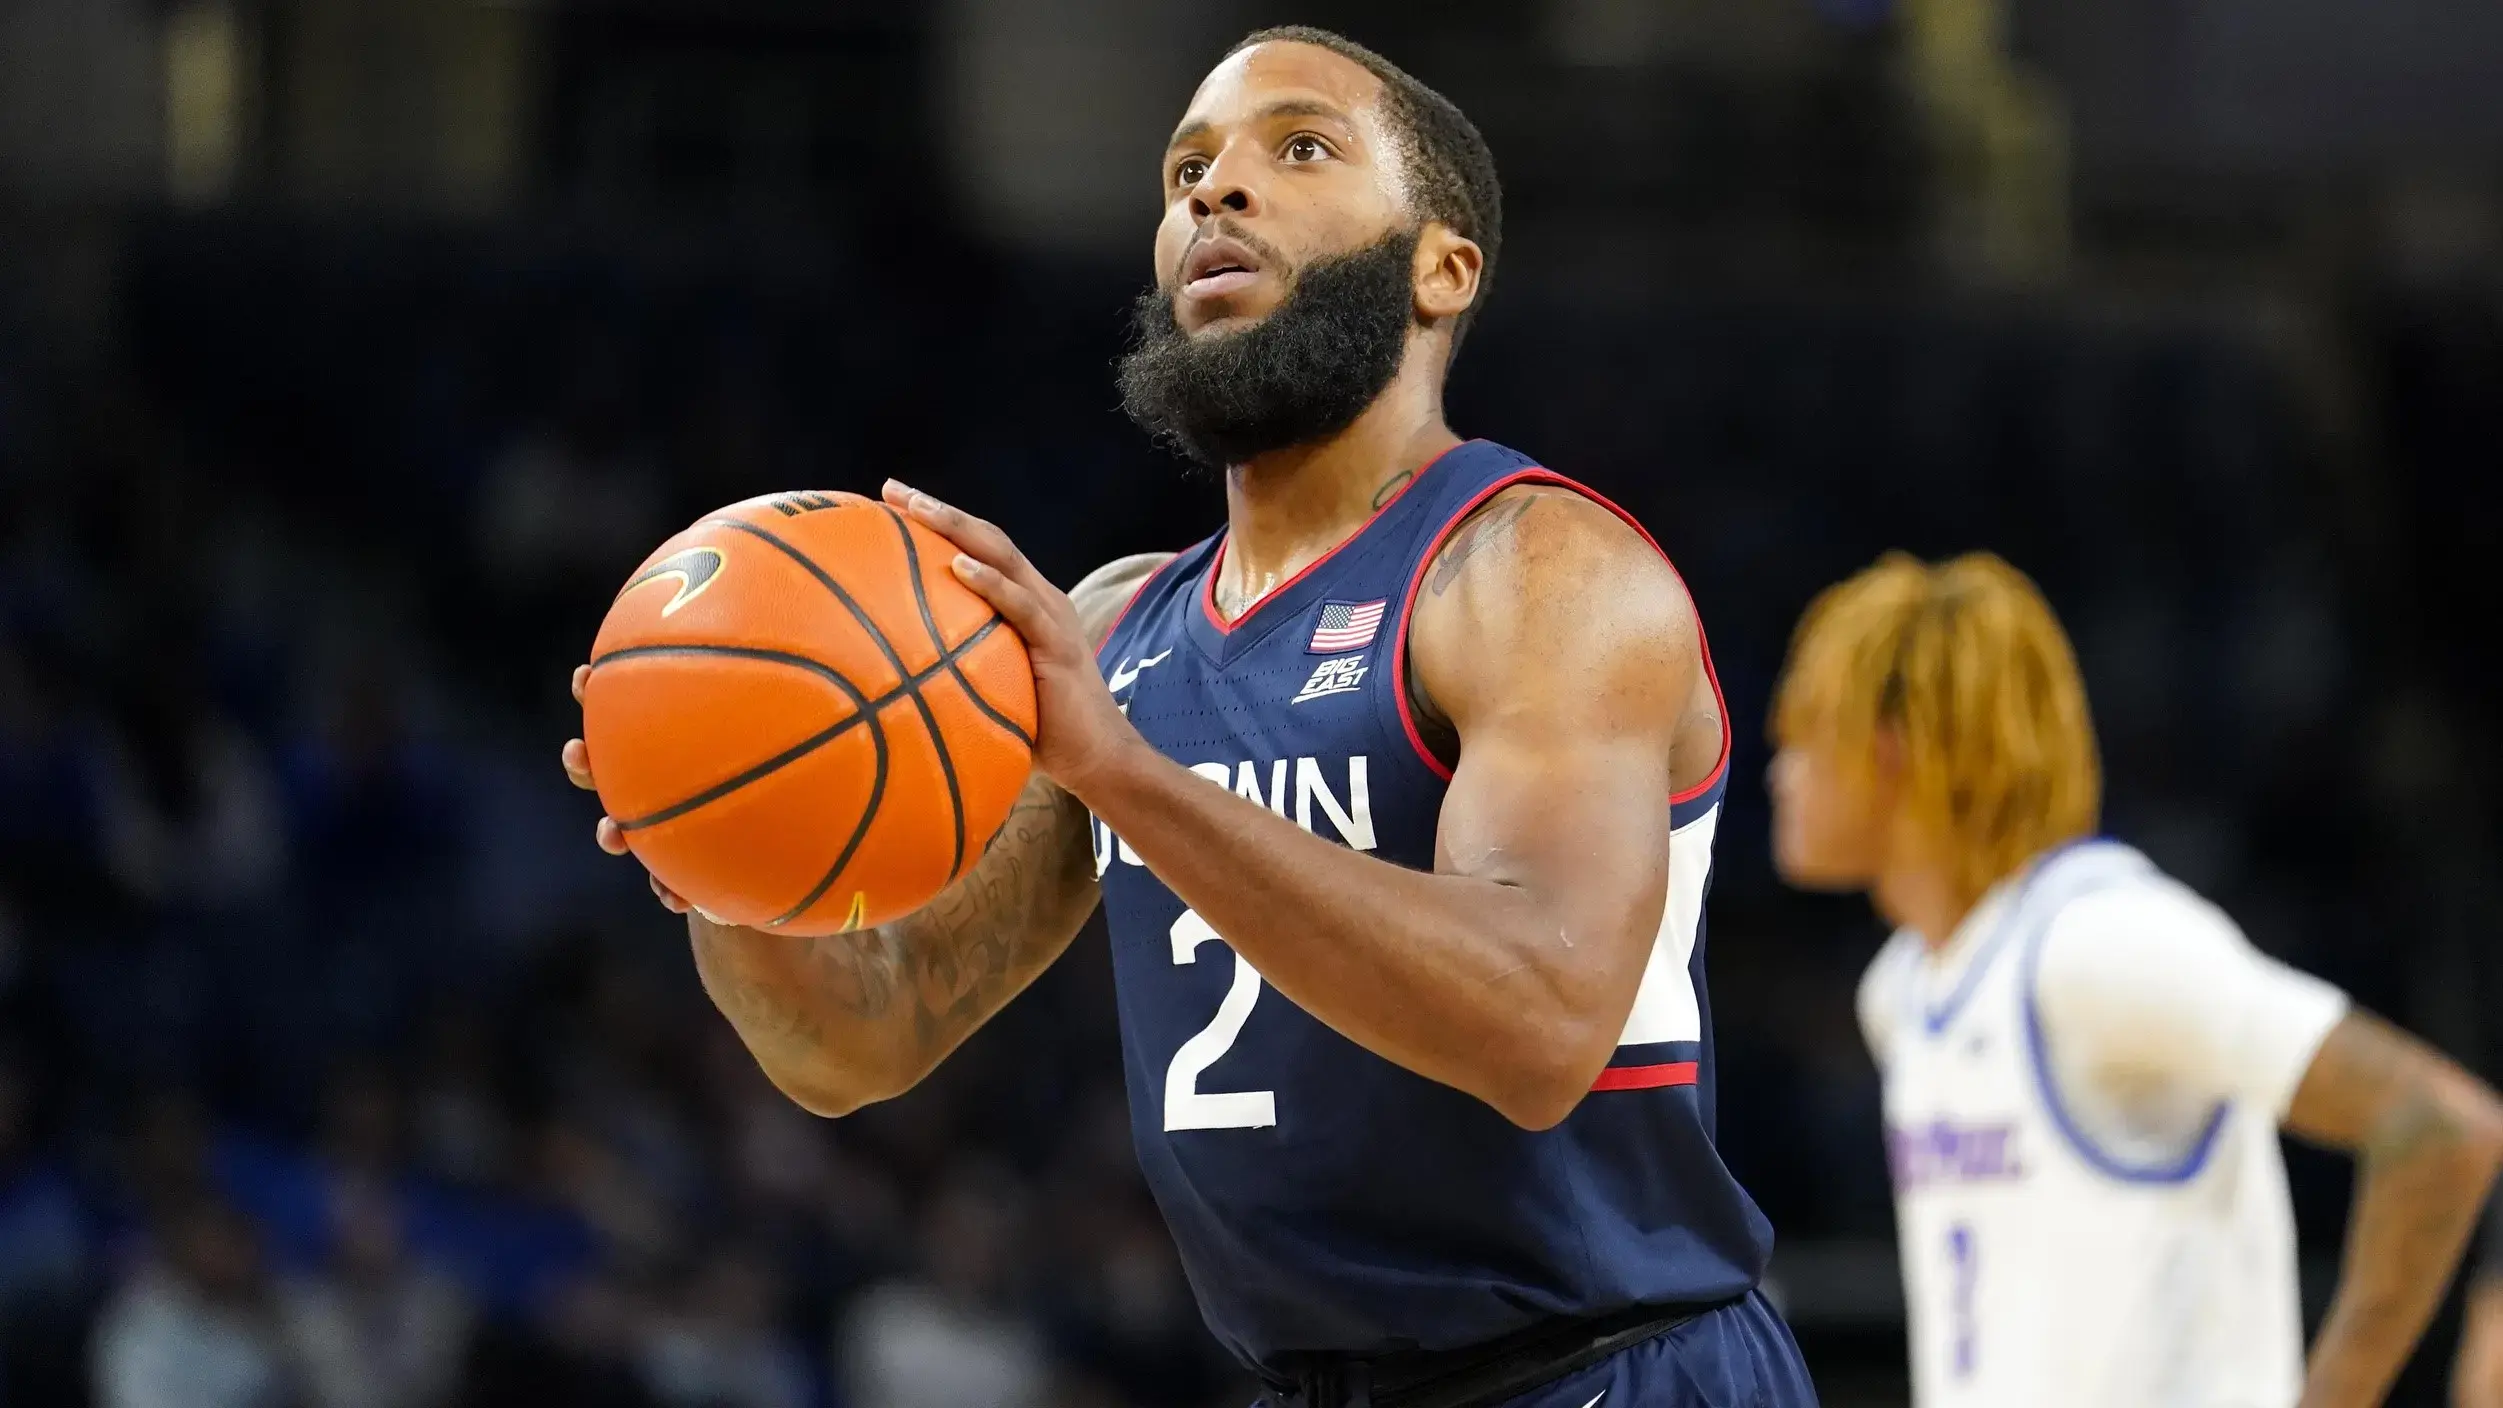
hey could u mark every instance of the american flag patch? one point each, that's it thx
(1345, 625)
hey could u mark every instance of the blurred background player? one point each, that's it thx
(2085, 1064)
(1464, 1155)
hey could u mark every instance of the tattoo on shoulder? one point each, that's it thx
(1493, 526)
(1392, 486)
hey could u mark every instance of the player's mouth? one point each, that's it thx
(1218, 266)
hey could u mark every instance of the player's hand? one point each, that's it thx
(612, 838)
(1080, 729)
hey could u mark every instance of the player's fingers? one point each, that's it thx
(976, 536)
(1018, 603)
(972, 534)
(577, 759)
(669, 898)
(582, 676)
(610, 835)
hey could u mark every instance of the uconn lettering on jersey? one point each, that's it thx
(1294, 788)
(1944, 1151)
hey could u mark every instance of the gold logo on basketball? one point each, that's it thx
(695, 569)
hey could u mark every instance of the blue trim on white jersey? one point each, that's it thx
(2181, 1170)
(1934, 1020)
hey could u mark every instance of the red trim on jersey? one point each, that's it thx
(1216, 560)
(1645, 1077)
(1540, 474)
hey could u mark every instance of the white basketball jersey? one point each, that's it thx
(2041, 1268)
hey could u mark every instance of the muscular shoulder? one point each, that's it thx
(1545, 589)
(1101, 594)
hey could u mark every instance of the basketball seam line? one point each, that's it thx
(929, 718)
(877, 782)
(929, 622)
(947, 758)
(867, 708)
(860, 832)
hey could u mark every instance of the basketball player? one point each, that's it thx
(2085, 1063)
(1399, 793)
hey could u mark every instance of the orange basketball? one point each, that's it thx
(801, 718)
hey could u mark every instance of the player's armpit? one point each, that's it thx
(2427, 1138)
(843, 1020)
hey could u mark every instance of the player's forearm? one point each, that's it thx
(1481, 985)
(2423, 1173)
(820, 1015)
(844, 1020)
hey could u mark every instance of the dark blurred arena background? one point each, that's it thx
(351, 353)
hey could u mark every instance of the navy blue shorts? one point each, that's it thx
(1740, 1356)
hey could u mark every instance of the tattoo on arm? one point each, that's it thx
(905, 993)
(992, 929)
(1493, 526)
(1488, 528)
(2427, 1137)
(943, 960)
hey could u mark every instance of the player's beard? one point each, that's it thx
(1301, 374)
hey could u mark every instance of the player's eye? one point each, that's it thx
(1189, 170)
(1305, 147)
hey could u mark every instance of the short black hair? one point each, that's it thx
(1452, 173)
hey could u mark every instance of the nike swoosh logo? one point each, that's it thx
(1594, 1400)
(694, 568)
(1125, 674)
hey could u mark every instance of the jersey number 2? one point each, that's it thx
(1186, 1105)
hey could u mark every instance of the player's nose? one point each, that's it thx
(1229, 187)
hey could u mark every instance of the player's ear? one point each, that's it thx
(1445, 272)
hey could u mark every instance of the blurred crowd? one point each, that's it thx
(337, 1068)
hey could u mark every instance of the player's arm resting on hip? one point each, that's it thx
(2427, 1137)
(2148, 987)
(1563, 650)
(842, 1020)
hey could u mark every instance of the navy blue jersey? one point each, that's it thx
(1324, 1199)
